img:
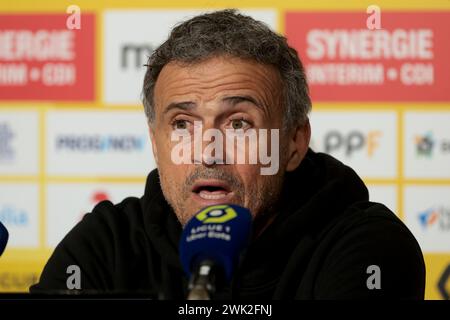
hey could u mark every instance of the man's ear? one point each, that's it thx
(298, 145)
(152, 139)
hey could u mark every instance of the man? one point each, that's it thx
(315, 234)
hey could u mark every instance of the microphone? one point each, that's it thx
(3, 238)
(210, 247)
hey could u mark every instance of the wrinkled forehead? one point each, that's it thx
(212, 78)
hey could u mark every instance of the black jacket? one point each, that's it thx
(319, 247)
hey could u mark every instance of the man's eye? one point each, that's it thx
(239, 124)
(180, 124)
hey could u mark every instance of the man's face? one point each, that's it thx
(220, 93)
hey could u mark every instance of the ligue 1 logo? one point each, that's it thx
(217, 214)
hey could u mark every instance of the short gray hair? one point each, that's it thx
(228, 32)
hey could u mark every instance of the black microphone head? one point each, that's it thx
(216, 233)
(4, 235)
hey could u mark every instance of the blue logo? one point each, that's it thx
(6, 136)
(428, 217)
(100, 143)
(13, 217)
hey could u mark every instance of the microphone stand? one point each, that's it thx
(202, 282)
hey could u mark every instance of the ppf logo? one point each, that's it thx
(435, 217)
(6, 136)
(364, 140)
(99, 143)
(426, 144)
(352, 142)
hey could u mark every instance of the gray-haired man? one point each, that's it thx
(315, 234)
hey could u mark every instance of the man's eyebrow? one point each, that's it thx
(233, 100)
(184, 105)
(242, 98)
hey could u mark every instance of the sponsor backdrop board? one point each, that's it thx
(73, 131)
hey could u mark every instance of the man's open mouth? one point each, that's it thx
(211, 190)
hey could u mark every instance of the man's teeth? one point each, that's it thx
(212, 196)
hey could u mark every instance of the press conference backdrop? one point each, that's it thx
(73, 131)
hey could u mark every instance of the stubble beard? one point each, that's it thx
(261, 199)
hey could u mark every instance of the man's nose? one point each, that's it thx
(208, 148)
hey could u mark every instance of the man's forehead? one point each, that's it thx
(215, 74)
